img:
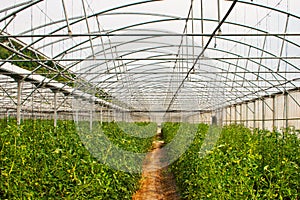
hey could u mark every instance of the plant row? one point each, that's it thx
(239, 164)
(38, 161)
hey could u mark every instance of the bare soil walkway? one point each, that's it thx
(157, 183)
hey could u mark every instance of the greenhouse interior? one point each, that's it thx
(150, 99)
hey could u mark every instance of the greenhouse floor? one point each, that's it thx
(157, 182)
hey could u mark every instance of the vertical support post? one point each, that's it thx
(273, 112)
(263, 112)
(77, 115)
(76, 111)
(235, 114)
(247, 114)
(286, 111)
(55, 108)
(108, 115)
(226, 115)
(7, 115)
(221, 116)
(254, 114)
(19, 99)
(91, 116)
(101, 116)
(123, 116)
(230, 114)
(239, 111)
(241, 114)
(112, 115)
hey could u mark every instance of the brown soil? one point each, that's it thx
(157, 182)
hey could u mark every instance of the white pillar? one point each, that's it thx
(235, 114)
(91, 116)
(55, 108)
(263, 112)
(273, 112)
(101, 116)
(254, 114)
(286, 110)
(77, 111)
(19, 99)
(230, 114)
(227, 120)
(247, 116)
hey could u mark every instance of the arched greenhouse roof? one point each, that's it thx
(149, 55)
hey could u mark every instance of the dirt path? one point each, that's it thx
(156, 183)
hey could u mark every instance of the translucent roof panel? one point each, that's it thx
(162, 55)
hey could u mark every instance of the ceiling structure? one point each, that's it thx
(151, 55)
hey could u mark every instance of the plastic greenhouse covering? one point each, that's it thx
(150, 99)
(149, 56)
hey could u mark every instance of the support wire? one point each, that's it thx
(202, 53)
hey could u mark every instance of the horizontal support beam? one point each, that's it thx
(186, 58)
(166, 73)
(149, 35)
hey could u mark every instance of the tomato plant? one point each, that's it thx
(242, 165)
(38, 161)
